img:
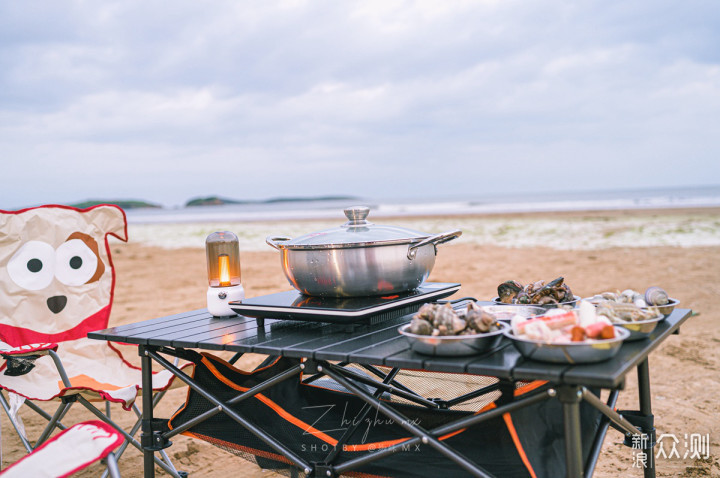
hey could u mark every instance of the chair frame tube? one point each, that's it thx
(6, 407)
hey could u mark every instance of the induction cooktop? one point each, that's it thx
(292, 305)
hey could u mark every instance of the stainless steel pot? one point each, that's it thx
(359, 258)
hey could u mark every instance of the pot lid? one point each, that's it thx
(358, 231)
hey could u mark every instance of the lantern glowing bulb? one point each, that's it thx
(223, 262)
(224, 266)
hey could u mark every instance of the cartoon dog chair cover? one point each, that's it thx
(56, 285)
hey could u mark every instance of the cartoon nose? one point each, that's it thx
(56, 303)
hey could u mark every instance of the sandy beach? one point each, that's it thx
(158, 279)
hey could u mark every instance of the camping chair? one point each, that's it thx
(56, 285)
(71, 450)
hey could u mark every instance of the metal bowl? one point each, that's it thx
(640, 329)
(667, 309)
(571, 303)
(570, 352)
(454, 345)
(506, 312)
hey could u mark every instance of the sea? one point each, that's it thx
(665, 198)
(483, 220)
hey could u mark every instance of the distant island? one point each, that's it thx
(218, 201)
(207, 201)
(122, 203)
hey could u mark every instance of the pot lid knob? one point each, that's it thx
(356, 215)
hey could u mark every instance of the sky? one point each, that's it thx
(167, 101)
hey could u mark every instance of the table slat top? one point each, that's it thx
(378, 344)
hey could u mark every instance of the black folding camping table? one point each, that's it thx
(327, 348)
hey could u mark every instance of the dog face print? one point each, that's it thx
(56, 277)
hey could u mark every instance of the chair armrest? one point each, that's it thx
(20, 360)
(31, 349)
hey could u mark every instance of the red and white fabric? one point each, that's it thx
(56, 284)
(69, 451)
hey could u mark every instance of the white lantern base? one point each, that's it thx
(218, 298)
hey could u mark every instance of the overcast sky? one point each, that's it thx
(165, 101)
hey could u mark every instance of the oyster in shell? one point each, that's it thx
(656, 296)
(508, 290)
(479, 320)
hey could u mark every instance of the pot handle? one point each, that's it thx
(273, 241)
(434, 240)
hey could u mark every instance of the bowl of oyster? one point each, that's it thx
(639, 321)
(551, 295)
(654, 298)
(441, 330)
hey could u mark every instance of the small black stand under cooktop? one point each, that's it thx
(292, 305)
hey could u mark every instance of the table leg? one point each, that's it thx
(600, 436)
(643, 373)
(147, 415)
(570, 397)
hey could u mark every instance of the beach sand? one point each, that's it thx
(154, 282)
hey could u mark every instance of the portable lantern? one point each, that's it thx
(223, 262)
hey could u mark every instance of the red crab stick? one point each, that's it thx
(600, 330)
(554, 321)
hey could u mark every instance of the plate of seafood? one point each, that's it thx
(553, 294)
(440, 330)
(563, 336)
(653, 297)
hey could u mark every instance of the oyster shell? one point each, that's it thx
(630, 296)
(446, 321)
(420, 326)
(426, 311)
(656, 296)
(478, 320)
(508, 290)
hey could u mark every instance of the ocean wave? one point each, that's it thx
(580, 233)
(321, 210)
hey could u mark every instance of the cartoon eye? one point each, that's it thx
(32, 267)
(75, 262)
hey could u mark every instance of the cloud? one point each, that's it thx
(163, 101)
